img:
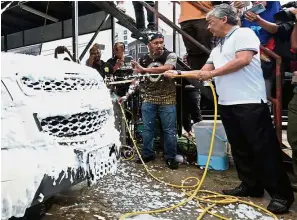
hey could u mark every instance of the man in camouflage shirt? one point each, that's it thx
(158, 97)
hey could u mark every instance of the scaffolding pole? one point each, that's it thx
(75, 30)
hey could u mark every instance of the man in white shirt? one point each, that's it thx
(236, 68)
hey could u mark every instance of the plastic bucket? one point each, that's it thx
(203, 132)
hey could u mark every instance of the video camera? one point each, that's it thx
(285, 15)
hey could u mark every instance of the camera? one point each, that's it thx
(285, 15)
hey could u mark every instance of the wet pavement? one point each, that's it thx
(131, 189)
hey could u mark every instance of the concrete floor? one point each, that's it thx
(132, 189)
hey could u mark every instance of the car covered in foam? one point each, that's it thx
(57, 129)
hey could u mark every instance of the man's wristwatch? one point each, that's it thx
(178, 72)
(211, 74)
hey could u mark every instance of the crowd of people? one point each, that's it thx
(243, 75)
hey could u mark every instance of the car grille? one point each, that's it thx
(75, 125)
(68, 84)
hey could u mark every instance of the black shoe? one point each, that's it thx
(244, 191)
(172, 164)
(133, 36)
(293, 180)
(140, 29)
(145, 159)
(151, 28)
(148, 31)
(279, 206)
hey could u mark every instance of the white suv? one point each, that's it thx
(57, 129)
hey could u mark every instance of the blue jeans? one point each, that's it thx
(168, 120)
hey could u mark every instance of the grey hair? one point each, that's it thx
(222, 10)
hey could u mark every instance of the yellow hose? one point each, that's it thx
(210, 199)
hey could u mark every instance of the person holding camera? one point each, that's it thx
(89, 62)
(121, 68)
(270, 8)
(95, 62)
(284, 33)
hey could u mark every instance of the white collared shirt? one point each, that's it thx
(247, 84)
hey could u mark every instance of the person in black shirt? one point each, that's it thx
(95, 62)
(95, 46)
(121, 68)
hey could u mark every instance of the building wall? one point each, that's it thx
(137, 49)
(123, 35)
(180, 49)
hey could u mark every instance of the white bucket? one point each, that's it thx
(203, 133)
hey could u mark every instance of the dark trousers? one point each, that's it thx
(292, 129)
(191, 107)
(255, 148)
(139, 15)
(198, 30)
